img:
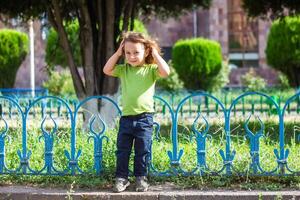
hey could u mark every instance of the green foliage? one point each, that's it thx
(137, 27)
(54, 52)
(252, 81)
(221, 79)
(283, 52)
(283, 81)
(26, 8)
(13, 50)
(172, 82)
(270, 8)
(197, 61)
(97, 38)
(160, 159)
(60, 84)
(164, 9)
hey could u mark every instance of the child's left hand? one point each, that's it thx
(154, 52)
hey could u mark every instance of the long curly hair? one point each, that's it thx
(148, 42)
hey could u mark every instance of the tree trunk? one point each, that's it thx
(296, 70)
(104, 47)
(56, 20)
(87, 47)
(293, 75)
(97, 42)
(110, 84)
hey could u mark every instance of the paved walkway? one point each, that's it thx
(155, 193)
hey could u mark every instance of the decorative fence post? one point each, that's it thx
(201, 145)
(96, 136)
(2, 145)
(254, 144)
(98, 140)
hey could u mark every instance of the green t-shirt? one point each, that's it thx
(137, 87)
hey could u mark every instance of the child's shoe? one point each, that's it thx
(121, 184)
(141, 184)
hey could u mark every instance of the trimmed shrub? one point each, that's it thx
(197, 61)
(283, 48)
(13, 50)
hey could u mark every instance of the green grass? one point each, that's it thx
(160, 161)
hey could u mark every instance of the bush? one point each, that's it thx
(283, 52)
(13, 50)
(283, 82)
(60, 84)
(252, 81)
(221, 79)
(172, 82)
(197, 61)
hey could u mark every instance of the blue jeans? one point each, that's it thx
(135, 130)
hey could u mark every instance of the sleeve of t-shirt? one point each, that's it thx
(155, 72)
(118, 70)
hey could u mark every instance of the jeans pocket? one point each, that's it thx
(150, 120)
(146, 122)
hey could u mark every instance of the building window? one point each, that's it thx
(243, 36)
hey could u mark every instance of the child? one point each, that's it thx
(138, 75)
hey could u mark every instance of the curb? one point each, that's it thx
(32, 193)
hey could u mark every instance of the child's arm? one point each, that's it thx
(112, 61)
(163, 67)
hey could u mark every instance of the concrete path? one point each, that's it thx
(155, 193)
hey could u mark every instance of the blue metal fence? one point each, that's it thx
(23, 92)
(10, 109)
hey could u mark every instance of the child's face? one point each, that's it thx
(135, 53)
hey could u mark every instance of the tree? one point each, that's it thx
(98, 30)
(282, 44)
(54, 52)
(271, 8)
(282, 49)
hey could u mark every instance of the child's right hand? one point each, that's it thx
(120, 49)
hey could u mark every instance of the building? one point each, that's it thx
(243, 40)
